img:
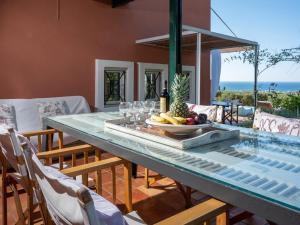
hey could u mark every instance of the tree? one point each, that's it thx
(267, 59)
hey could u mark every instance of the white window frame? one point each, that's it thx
(192, 71)
(101, 65)
(142, 67)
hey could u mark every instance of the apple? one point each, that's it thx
(196, 118)
(190, 121)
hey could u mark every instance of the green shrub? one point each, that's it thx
(285, 104)
(246, 98)
(262, 96)
(291, 102)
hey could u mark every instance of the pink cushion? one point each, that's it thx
(278, 124)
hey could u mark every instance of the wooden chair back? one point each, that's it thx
(11, 156)
(11, 151)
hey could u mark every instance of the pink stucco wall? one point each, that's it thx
(41, 56)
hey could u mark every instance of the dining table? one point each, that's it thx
(257, 171)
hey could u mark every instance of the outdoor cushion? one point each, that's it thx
(209, 110)
(273, 123)
(27, 114)
(8, 115)
(59, 202)
(53, 108)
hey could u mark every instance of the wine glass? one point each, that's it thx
(124, 109)
(148, 105)
(136, 109)
(155, 108)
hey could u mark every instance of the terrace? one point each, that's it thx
(85, 136)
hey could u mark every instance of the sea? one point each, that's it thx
(262, 86)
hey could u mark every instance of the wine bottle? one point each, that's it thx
(164, 99)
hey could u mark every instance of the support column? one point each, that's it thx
(175, 30)
(256, 49)
(198, 70)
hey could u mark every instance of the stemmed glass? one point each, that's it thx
(137, 107)
(124, 109)
(148, 105)
(155, 108)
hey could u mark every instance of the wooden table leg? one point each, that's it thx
(128, 186)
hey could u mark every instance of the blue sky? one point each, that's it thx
(274, 24)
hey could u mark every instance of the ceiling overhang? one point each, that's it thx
(209, 40)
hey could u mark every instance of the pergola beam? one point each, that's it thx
(197, 39)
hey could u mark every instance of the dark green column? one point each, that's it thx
(175, 30)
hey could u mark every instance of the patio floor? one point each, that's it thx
(160, 201)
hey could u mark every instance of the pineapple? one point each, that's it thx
(180, 89)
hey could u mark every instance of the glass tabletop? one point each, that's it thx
(263, 164)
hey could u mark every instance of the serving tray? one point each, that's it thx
(153, 134)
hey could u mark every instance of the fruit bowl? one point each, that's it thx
(178, 129)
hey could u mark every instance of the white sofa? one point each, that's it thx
(27, 114)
